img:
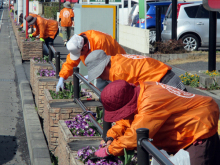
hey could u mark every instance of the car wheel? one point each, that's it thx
(191, 42)
(152, 35)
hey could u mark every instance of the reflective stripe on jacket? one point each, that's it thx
(66, 14)
(97, 40)
(46, 28)
(134, 68)
(175, 119)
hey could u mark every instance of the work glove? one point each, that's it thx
(60, 84)
(102, 152)
(30, 35)
(42, 39)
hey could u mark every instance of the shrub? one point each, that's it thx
(190, 79)
(170, 46)
(51, 9)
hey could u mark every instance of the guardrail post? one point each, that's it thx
(76, 82)
(142, 154)
(50, 51)
(57, 64)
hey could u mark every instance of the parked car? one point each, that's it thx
(192, 26)
(134, 11)
(133, 2)
(151, 18)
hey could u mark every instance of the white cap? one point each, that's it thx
(74, 46)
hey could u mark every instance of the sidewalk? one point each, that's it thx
(13, 148)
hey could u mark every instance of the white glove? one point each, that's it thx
(60, 84)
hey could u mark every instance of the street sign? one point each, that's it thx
(212, 5)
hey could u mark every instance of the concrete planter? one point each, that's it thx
(36, 66)
(28, 49)
(68, 145)
(169, 57)
(61, 109)
(41, 83)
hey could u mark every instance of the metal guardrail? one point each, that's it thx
(76, 77)
(144, 147)
(54, 53)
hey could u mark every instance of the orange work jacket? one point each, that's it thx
(175, 119)
(46, 28)
(66, 14)
(97, 40)
(134, 68)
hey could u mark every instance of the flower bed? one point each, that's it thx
(37, 63)
(61, 109)
(66, 153)
(204, 80)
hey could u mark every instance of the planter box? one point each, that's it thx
(36, 66)
(68, 145)
(41, 83)
(30, 49)
(61, 109)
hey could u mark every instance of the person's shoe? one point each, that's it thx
(64, 43)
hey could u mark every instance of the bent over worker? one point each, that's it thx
(131, 68)
(176, 120)
(80, 46)
(47, 28)
(66, 18)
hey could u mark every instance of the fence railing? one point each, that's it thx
(145, 147)
(54, 53)
(76, 78)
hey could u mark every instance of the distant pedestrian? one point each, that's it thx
(66, 18)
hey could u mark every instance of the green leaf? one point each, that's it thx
(128, 156)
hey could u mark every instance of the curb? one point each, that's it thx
(37, 146)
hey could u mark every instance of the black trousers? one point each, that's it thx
(48, 40)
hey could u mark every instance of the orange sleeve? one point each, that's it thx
(129, 139)
(36, 31)
(118, 129)
(67, 67)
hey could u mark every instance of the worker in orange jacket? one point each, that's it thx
(21, 20)
(176, 120)
(131, 68)
(66, 18)
(47, 28)
(80, 46)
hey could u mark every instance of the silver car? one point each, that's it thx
(192, 25)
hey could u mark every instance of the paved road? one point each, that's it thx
(13, 142)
